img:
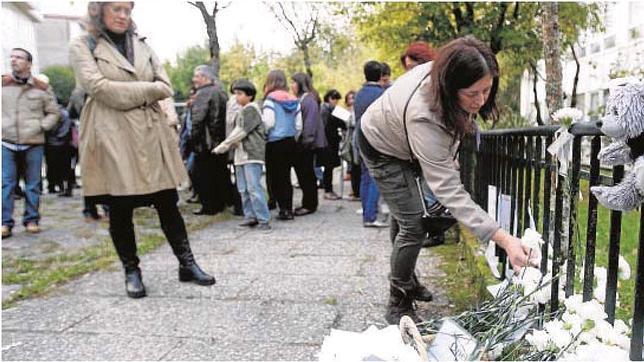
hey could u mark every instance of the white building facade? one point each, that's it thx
(53, 35)
(18, 31)
(617, 51)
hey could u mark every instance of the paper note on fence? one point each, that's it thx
(341, 113)
(491, 201)
(505, 209)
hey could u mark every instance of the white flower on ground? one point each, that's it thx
(624, 269)
(592, 310)
(560, 337)
(541, 296)
(602, 330)
(621, 327)
(572, 323)
(573, 302)
(567, 115)
(538, 339)
(599, 293)
(586, 338)
(600, 352)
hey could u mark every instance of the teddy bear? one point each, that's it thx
(624, 123)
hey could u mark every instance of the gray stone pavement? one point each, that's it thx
(277, 295)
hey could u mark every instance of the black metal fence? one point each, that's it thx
(515, 161)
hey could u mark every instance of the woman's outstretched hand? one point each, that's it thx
(518, 255)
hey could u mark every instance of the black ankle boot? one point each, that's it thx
(189, 271)
(400, 304)
(420, 292)
(134, 283)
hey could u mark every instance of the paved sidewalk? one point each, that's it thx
(277, 296)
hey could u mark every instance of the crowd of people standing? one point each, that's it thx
(133, 154)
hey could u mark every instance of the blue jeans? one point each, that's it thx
(369, 195)
(30, 161)
(252, 194)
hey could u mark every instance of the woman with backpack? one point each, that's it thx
(283, 121)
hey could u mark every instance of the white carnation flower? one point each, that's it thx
(600, 352)
(567, 116)
(602, 330)
(621, 327)
(587, 338)
(573, 302)
(624, 269)
(592, 310)
(572, 322)
(532, 239)
(560, 337)
(539, 339)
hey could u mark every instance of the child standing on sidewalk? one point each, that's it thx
(248, 139)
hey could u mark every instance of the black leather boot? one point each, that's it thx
(134, 283)
(400, 303)
(420, 292)
(189, 271)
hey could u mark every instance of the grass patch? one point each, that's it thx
(38, 277)
(466, 274)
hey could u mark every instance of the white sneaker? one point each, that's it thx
(375, 224)
(359, 211)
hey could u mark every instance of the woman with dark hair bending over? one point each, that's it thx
(414, 130)
(129, 156)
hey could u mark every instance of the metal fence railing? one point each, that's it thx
(515, 161)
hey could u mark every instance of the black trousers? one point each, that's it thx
(305, 170)
(213, 184)
(327, 178)
(59, 166)
(356, 175)
(122, 228)
(280, 156)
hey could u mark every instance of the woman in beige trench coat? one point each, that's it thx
(128, 153)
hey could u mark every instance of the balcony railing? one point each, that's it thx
(515, 161)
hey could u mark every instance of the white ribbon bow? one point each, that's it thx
(561, 149)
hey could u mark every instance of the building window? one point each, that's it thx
(581, 102)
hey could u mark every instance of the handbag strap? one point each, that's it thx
(415, 165)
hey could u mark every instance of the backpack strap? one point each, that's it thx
(91, 43)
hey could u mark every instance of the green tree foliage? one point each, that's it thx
(181, 73)
(62, 81)
(511, 29)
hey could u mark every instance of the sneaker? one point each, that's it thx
(6, 231)
(331, 196)
(249, 223)
(375, 224)
(359, 211)
(32, 228)
(264, 227)
(353, 198)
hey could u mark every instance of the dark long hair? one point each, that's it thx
(461, 63)
(304, 85)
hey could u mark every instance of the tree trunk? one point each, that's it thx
(537, 105)
(550, 23)
(211, 29)
(307, 60)
(573, 97)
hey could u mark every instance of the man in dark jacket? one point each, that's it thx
(369, 92)
(208, 112)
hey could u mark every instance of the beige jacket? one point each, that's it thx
(126, 146)
(432, 144)
(27, 111)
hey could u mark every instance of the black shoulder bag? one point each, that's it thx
(439, 219)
